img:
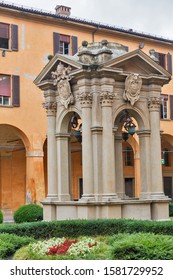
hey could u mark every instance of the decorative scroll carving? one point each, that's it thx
(85, 98)
(133, 85)
(154, 103)
(106, 98)
(61, 78)
(50, 107)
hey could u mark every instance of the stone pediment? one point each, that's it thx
(46, 73)
(137, 62)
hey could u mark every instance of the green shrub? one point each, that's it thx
(142, 246)
(1, 217)
(75, 228)
(171, 209)
(9, 243)
(28, 213)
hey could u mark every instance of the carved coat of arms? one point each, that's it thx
(61, 78)
(133, 85)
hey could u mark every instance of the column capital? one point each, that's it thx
(85, 99)
(51, 107)
(144, 133)
(106, 98)
(96, 129)
(154, 103)
(62, 135)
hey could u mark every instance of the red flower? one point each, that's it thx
(61, 248)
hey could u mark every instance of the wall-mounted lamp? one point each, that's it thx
(128, 125)
(3, 53)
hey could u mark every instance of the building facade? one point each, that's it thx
(28, 39)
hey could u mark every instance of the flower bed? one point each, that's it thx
(64, 246)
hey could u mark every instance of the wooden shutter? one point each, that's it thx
(169, 63)
(171, 107)
(14, 37)
(56, 42)
(74, 45)
(4, 30)
(15, 91)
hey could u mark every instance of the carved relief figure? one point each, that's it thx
(61, 78)
(133, 85)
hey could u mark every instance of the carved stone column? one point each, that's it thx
(63, 164)
(108, 162)
(119, 178)
(156, 168)
(97, 161)
(145, 166)
(87, 152)
(51, 107)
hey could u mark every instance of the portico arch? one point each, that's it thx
(13, 168)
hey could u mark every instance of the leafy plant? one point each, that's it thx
(28, 213)
(9, 243)
(171, 209)
(1, 217)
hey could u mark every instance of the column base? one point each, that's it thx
(87, 198)
(153, 196)
(110, 197)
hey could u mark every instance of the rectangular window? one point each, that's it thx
(164, 107)
(4, 36)
(5, 90)
(165, 60)
(129, 157)
(64, 44)
(8, 36)
(9, 90)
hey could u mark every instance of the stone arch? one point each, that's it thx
(64, 119)
(135, 112)
(13, 147)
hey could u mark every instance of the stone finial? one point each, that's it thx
(133, 85)
(153, 55)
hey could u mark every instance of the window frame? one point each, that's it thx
(164, 107)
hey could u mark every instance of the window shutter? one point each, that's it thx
(171, 107)
(56, 42)
(169, 63)
(15, 91)
(4, 30)
(74, 45)
(14, 37)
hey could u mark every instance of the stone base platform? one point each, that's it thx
(125, 209)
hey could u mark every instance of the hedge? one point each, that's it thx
(28, 213)
(1, 217)
(9, 243)
(75, 228)
(171, 209)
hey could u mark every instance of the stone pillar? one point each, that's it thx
(63, 166)
(119, 178)
(51, 106)
(156, 168)
(108, 153)
(87, 152)
(145, 167)
(97, 161)
(35, 186)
